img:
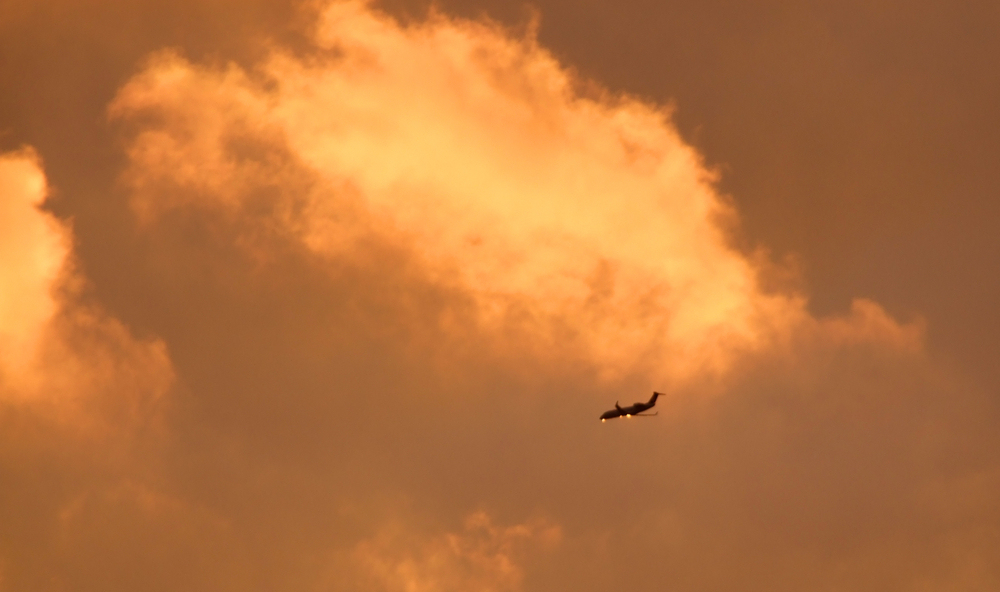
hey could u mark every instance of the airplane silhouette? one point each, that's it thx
(634, 409)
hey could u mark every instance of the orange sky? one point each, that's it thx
(330, 296)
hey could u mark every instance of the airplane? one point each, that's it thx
(634, 409)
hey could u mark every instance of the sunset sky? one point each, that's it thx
(329, 295)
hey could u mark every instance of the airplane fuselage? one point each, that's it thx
(629, 410)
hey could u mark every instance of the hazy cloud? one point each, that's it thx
(81, 399)
(481, 557)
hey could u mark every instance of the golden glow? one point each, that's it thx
(54, 351)
(429, 226)
(33, 249)
(471, 151)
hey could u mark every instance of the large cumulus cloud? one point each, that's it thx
(584, 222)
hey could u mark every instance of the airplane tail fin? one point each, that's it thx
(652, 400)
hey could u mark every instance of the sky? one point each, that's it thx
(329, 295)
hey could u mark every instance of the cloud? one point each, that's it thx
(502, 256)
(33, 247)
(80, 396)
(481, 557)
(578, 225)
(57, 352)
